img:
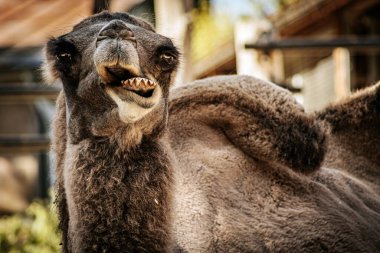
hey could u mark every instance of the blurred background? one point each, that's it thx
(321, 50)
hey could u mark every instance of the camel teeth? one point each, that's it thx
(144, 82)
(151, 83)
(126, 82)
(138, 81)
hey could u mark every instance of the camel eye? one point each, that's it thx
(64, 57)
(62, 50)
(167, 61)
(167, 57)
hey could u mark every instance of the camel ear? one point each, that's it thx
(60, 59)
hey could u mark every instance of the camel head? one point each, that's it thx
(116, 73)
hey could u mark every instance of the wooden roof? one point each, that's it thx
(32, 22)
(291, 20)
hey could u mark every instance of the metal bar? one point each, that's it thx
(43, 175)
(314, 43)
(16, 93)
(24, 144)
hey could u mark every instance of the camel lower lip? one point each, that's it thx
(133, 96)
(145, 99)
(141, 93)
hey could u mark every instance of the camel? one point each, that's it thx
(224, 164)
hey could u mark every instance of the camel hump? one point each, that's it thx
(258, 117)
(353, 133)
(356, 111)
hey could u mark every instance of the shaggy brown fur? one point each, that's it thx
(240, 200)
(237, 168)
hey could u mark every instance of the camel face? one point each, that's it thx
(114, 69)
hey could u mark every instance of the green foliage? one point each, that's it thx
(34, 231)
(209, 31)
(285, 3)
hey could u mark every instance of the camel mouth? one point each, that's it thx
(141, 86)
(126, 81)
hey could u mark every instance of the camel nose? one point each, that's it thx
(116, 29)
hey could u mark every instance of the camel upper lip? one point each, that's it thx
(116, 74)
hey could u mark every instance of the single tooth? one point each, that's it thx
(132, 81)
(139, 81)
(144, 82)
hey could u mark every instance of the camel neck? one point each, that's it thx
(127, 197)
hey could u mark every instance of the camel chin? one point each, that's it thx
(132, 106)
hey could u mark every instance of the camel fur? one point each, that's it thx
(225, 164)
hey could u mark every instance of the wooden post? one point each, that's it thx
(342, 77)
(247, 61)
(100, 5)
(173, 22)
(278, 71)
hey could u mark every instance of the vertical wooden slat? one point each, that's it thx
(101, 5)
(172, 22)
(278, 70)
(247, 61)
(342, 78)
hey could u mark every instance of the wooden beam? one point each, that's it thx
(50, 19)
(24, 144)
(16, 9)
(12, 31)
(302, 14)
(306, 43)
(16, 94)
(66, 20)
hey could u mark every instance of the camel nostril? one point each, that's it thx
(108, 33)
(116, 29)
(127, 34)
